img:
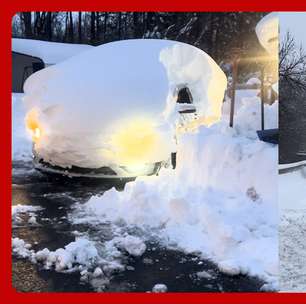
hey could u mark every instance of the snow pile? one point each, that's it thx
(81, 252)
(248, 113)
(220, 202)
(96, 261)
(49, 52)
(115, 90)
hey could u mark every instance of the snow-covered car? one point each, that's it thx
(116, 110)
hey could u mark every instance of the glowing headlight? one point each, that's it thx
(33, 125)
(37, 133)
(135, 143)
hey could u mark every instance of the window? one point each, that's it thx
(184, 95)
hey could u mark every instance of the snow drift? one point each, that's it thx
(220, 202)
(83, 103)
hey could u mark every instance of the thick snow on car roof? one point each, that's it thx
(131, 76)
(49, 52)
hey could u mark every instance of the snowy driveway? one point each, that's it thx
(40, 208)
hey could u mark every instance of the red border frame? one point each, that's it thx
(8, 293)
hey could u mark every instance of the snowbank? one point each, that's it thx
(49, 52)
(91, 104)
(220, 202)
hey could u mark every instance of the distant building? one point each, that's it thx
(30, 56)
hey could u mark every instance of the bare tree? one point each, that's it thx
(292, 64)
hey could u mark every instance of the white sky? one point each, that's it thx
(295, 22)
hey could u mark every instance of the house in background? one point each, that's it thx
(30, 56)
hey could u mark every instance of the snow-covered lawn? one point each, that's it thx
(292, 198)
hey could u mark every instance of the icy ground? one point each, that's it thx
(217, 206)
(292, 194)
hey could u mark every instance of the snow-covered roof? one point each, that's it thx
(49, 52)
(267, 33)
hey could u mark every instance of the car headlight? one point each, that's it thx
(135, 142)
(33, 125)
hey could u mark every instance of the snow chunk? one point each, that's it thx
(159, 288)
(97, 272)
(32, 220)
(21, 248)
(132, 244)
(204, 275)
(82, 252)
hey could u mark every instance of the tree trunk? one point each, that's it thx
(119, 25)
(49, 26)
(80, 27)
(66, 28)
(92, 27)
(27, 21)
(98, 26)
(105, 26)
(136, 25)
(71, 27)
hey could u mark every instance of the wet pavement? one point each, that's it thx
(157, 265)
